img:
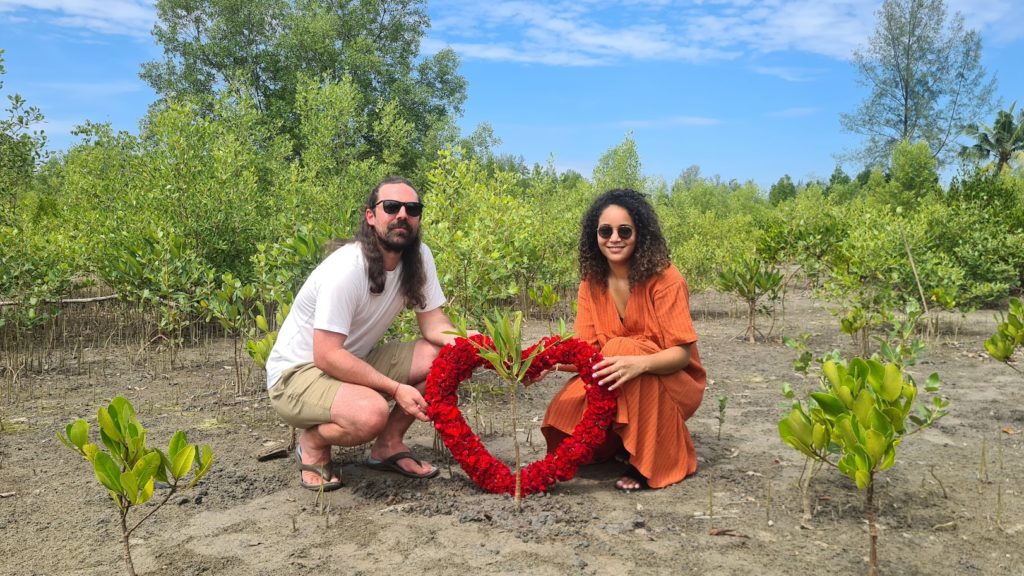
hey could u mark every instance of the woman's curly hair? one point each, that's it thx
(650, 255)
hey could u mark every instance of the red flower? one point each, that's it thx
(457, 361)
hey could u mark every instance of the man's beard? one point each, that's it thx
(396, 242)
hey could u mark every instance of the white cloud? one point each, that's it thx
(789, 74)
(795, 112)
(671, 121)
(119, 17)
(592, 32)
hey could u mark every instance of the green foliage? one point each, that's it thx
(279, 270)
(861, 412)
(269, 48)
(901, 346)
(505, 353)
(858, 417)
(782, 190)
(914, 177)
(1009, 334)
(159, 271)
(544, 297)
(491, 233)
(925, 77)
(129, 469)
(753, 280)
(37, 269)
(619, 167)
(21, 148)
(999, 142)
(723, 401)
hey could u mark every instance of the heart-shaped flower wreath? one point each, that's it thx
(456, 363)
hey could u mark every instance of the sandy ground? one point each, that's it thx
(952, 504)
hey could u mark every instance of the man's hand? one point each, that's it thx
(411, 402)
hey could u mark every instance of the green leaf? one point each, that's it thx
(829, 404)
(863, 479)
(844, 394)
(107, 472)
(895, 418)
(146, 468)
(205, 461)
(892, 383)
(847, 432)
(932, 383)
(872, 370)
(178, 441)
(862, 405)
(889, 459)
(787, 390)
(130, 486)
(182, 462)
(819, 436)
(875, 445)
(108, 427)
(831, 371)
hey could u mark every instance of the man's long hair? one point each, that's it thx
(413, 277)
(650, 254)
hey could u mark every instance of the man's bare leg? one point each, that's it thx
(392, 438)
(358, 415)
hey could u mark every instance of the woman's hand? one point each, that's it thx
(614, 371)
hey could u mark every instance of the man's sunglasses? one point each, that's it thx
(605, 231)
(412, 209)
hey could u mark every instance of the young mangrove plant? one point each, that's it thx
(722, 401)
(753, 280)
(855, 421)
(506, 356)
(129, 469)
(1009, 334)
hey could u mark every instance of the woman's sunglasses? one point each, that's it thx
(413, 209)
(605, 231)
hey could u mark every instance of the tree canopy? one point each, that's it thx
(926, 80)
(1000, 142)
(269, 48)
(21, 146)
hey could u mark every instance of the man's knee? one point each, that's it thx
(364, 419)
(422, 357)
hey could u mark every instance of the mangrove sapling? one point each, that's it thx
(855, 421)
(1009, 334)
(722, 401)
(129, 469)
(506, 356)
(752, 280)
(544, 298)
(233, 305)
(901, 345)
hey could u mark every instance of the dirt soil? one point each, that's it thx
(952, 504)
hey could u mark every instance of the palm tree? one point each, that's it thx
(1000, 142)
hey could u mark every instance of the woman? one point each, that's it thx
(634, 306)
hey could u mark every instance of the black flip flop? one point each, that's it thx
(390, 464)
(326, 473)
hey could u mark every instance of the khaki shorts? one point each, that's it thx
(303, 394)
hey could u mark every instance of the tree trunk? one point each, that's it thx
(752, 321)
(869, 506)
(124, 541)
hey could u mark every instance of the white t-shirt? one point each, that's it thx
(336, 297)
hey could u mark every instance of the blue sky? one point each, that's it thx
(744, 89)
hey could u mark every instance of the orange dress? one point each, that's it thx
(652, 408)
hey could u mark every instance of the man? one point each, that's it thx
(328, 374)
